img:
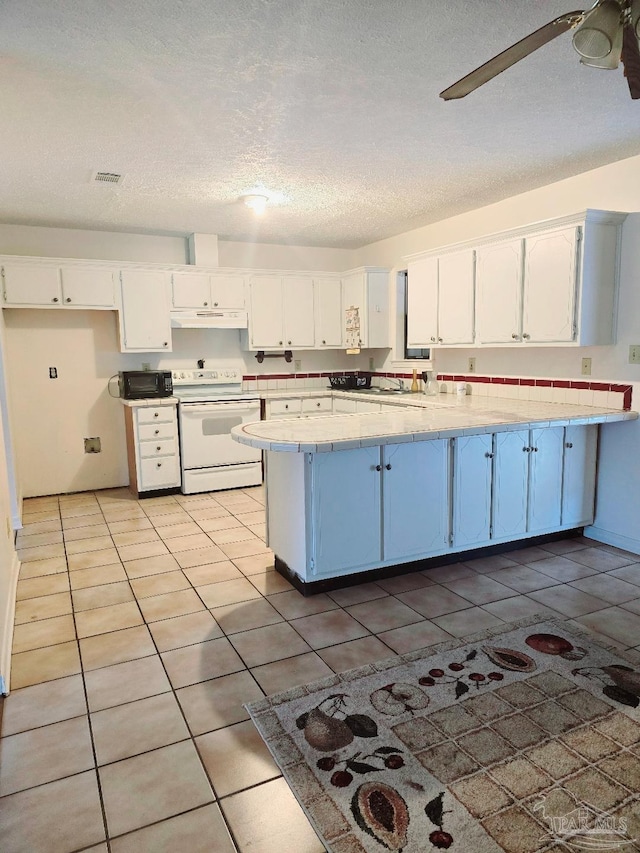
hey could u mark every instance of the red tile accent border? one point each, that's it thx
(577, 384)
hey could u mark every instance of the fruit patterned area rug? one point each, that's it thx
(522, 740)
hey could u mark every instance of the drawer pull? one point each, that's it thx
(158, 464)
(526, 450)
(489, 455)
(378, 467)
(157, 432)
(158, 448)
(569, 445)
(388, 466)
(156, 414)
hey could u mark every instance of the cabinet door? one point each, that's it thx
(345, 509)
(228, 291)
(353, 296)
(545, 478)
(297, 301)
(343, 407)
(510, 478)
(93, 288)
(265, 316)
(368, 406)
(472, 490)
(144, 315)
(456, 300)
(579, 474)
(328, 312)
(550, 282)
(24, 285)
(422, 303)
(415, 499)
(190, 290)
(499, 292)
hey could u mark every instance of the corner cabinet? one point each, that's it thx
(365, 302)
(548, 284)
(144, 320)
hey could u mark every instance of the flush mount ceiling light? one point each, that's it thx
(257, 203)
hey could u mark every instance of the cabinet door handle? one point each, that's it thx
(489, 455)
(289, 342)
(324, 342)
(215, 304)
(433, 340)
(280, 343)
(68, 299)
(388, 466)
(534, 449)
(378, 467)
(514, 336)
(439, 340)
(526, 336)
(55, 299)
(159, 447)
(157, 432)
(526, 450)
(569, 444)
(158, 464)
(205, 304)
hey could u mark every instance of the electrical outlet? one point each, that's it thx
(586, 367)
(146, 365)
(297, 365)
(634, 354)
(371, 367)
(471, 367)
(53, 373)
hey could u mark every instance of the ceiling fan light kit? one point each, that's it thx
(604, 34)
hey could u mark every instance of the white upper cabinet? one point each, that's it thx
(365, 306)
(144, 315)
(456, 300)
(327, 294)
(440, 301)
(52, 286)
(204, 290)
(281, 312)
(422, 303)
(545, 285)
(550, 285)
(499, 292)
(297, 300)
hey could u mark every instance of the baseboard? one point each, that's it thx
(615, 539)
(6, 640)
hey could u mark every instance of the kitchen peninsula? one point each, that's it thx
(370, 492)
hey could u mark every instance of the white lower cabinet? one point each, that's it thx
(152, 447)
(297, 407)
(521, 483)
(579, 475)
(415, 504)
(471, 490)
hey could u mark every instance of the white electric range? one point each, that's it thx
(211, 402)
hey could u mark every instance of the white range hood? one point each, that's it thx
(209, 319)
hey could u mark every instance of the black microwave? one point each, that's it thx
(143, 384)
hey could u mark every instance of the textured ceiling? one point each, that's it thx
(334, 104)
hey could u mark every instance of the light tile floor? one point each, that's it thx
(143, 626)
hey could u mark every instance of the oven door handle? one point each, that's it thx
(213, 409)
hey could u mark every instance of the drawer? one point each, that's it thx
(157, 448)
(284, 407)
(159, 473)
(156, 431)
(152, 415)
(322, 405)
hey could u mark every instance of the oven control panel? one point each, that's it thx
(206, 377)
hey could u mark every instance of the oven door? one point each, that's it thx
(205, 439)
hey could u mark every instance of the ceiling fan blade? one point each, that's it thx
(512, 55)
(631, 60)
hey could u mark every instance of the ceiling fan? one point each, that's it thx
(607, 32)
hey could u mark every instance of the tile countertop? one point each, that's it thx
(424, 419)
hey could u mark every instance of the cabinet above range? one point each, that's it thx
(552, 283)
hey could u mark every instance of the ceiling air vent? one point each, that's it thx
(107, 178)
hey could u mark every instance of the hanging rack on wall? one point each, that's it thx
(261, 355)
